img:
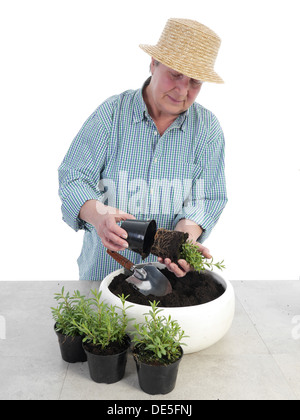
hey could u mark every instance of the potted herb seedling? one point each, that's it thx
(175, 245)
(70, 309)
(157, 351)
(105, 340)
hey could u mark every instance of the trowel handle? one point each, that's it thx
(120, 259)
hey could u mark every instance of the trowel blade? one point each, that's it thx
(153, 282)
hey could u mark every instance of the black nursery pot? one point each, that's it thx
(109, 368)
(140, 235)
(157, 379)
(71, 347)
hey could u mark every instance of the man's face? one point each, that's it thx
(172, 93)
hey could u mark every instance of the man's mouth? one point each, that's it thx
(175, 101)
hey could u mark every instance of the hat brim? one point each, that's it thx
(180, 65)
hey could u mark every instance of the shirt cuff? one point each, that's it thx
(197, 216)
(71, 208)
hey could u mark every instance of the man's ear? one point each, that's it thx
(152, 65)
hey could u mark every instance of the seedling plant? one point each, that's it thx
(70, 310)
(158, 339)
(103, 324)
(190, 253)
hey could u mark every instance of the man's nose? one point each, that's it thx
(183, 85)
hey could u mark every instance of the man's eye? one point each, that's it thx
(196, 82)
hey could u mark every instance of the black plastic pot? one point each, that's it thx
(140, 235)
(109, 368)
(157, 379)
(71, 347)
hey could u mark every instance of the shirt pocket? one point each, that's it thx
(181, 169)
(173, 185)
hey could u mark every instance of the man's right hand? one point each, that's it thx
(105, 219)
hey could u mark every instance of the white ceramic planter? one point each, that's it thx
(205, 324)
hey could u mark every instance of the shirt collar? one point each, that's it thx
(141, 111)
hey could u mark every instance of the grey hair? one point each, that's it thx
(156, 63)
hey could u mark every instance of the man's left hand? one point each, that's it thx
(182, 268)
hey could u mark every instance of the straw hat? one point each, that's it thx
(188, 47)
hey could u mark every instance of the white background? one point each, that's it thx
(61, 58)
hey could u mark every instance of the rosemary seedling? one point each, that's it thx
(104, 324)
(70, 309)
(190, 252)
(158, 339)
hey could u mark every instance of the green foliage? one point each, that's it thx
(191, 253)
(103, 324)
(69, 309)
(158, 339)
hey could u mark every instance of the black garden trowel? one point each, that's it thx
(147, 279)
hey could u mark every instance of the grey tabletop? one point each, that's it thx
(257, 359)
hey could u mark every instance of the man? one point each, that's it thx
(149, 154)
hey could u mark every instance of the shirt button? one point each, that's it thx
(155, 133)
(155, 160)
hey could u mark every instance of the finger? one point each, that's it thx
(174, 268)
(116, 240)
(114, 229)
(110, 237)
(123, 216)
(205, 252)
(111, 246)
(184, 265)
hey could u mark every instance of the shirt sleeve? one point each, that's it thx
(208, 196)
(79, 172)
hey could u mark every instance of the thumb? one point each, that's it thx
(121, 215)
(206, 253)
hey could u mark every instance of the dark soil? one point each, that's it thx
(167, 244)
(148, 357)
(192, 289)
(112, 348)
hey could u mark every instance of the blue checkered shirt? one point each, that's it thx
(119, 158)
